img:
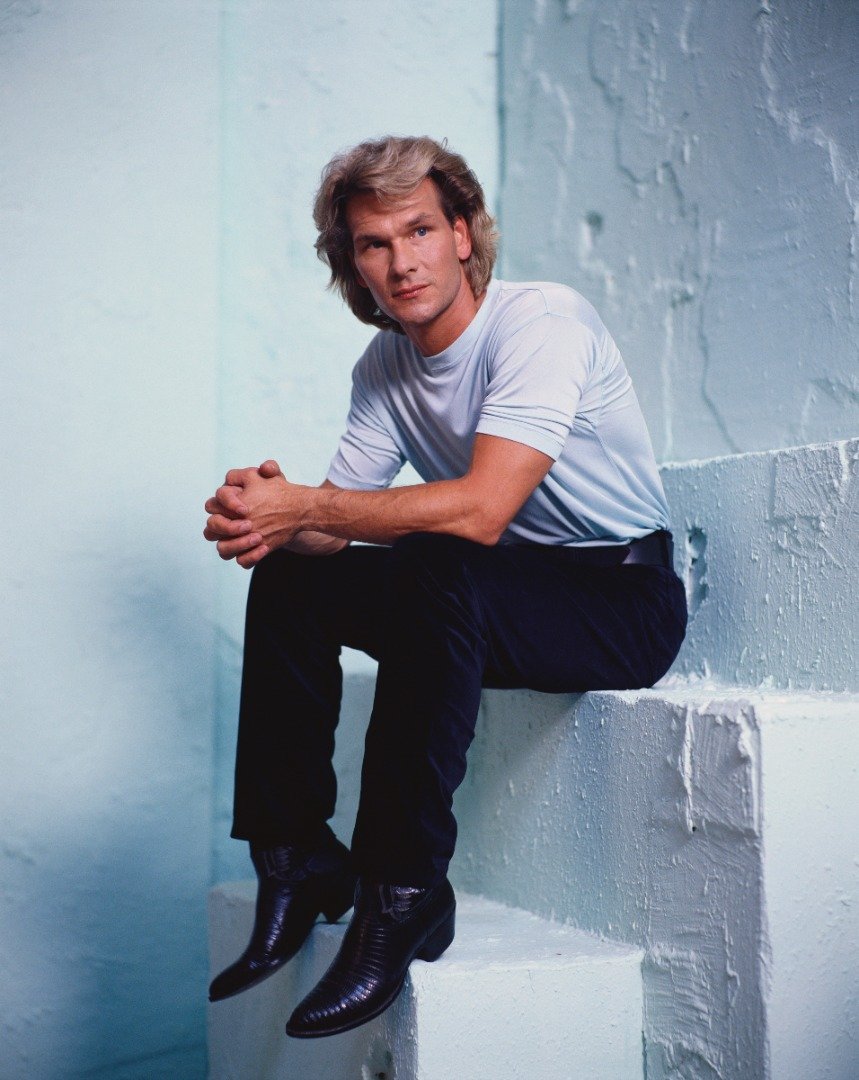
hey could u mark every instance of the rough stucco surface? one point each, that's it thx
(474, 1013)
(767, 546)
(811, 882)
(692, 169)
(715, 830)
(107, 315)
(288, 346)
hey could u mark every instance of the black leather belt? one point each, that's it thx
(655, 549)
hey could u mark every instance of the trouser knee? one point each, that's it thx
(282, 587)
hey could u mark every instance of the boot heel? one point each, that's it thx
(439, 939)
(341, 899)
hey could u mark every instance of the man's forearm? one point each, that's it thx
(381, 517)
(477, 506)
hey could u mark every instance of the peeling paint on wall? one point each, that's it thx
(721, 152)
(695, 569)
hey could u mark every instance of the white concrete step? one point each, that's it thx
(717, 829)
(766, 544)
(515, 997)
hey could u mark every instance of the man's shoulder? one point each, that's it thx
(520, 302)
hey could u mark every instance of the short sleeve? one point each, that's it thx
(536, 382)
(367, 456)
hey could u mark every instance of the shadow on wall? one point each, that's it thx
(109, 858)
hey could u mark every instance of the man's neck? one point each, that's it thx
(437, 336)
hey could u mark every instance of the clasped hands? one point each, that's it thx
(252, 513)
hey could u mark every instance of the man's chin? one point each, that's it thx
(411, 315)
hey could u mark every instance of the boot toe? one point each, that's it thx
(242, 975)
(332, 1011)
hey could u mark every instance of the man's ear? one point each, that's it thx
(462, 237)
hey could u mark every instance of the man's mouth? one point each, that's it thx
(407, 294)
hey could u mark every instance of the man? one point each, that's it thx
(534, 555)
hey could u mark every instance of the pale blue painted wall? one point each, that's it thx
(108, 205)
(163, 317)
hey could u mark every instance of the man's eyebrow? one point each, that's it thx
(425, 217)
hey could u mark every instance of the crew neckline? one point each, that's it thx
(463, 345)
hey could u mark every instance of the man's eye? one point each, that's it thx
(421, 230)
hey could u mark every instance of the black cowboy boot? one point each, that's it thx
(391, 926)
(295, 885)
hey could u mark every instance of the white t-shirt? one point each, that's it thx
(535, 365)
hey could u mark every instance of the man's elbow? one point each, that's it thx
(487, 529)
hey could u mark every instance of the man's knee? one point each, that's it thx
(283, 578)
(274, 567)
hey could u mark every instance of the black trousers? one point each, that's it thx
(444, 617)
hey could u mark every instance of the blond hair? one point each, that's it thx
(390, 169)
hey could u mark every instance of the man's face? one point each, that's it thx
(410, 258)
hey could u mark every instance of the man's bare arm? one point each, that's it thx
(478, 506)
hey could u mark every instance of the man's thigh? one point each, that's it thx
(558, 625)
(551, 623)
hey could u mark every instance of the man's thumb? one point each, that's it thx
(270, 468)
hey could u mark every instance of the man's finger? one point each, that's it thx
(231, 549)
(219, 527)
(212, 506)
(239, 477)
(249, 560)
(229, 498)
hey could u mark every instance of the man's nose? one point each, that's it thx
(403, 261)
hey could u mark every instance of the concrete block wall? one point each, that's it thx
(712, 821)
(713, 828)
